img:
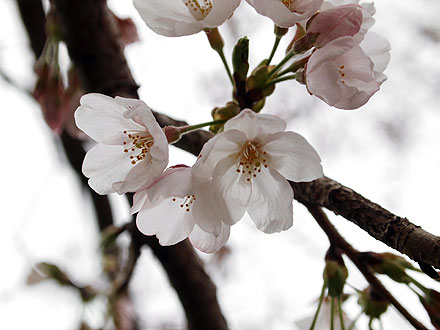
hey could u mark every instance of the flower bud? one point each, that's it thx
(390, 264)
(240, 56)
(373, 304)
(335, 272)
(334, 23)
(431, 302)
(256, 86)
(231, 109)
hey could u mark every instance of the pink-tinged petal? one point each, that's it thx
(105, 164)
(233, 188)
(270, 206)
(216, 149)
(101, 118)
(207, 242)
(334, 23)
(254, 125)
(293, 157)
(284, 16)
(139, 200)
(323, 81)
(167, 221)
(378, 50)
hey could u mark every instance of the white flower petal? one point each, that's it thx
(139, 199)
(282, 15)
(270, 206)
(254, 125)
(207, 242)
(233, 188)
(174, 18)
(216, 149)
(167, 221)
(101, 118)
(141, 175)
(105, 164)
(293, 157)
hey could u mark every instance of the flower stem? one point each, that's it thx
(321, 298)
(274, 48)
(225, 63)
(288, 56)
(190, 128)
(332, 314)
(279, 79)
(341, 316)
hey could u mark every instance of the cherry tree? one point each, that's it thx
(248, 162)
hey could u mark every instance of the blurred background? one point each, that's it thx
(388, 151)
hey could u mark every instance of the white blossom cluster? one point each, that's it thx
(246, 167)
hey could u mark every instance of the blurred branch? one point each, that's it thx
(98, 57)
(337, 240)
(34, 19)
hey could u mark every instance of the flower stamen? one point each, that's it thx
(251, 160)
(198, 11)
(140, 142)
(187, 202)
(291, 5)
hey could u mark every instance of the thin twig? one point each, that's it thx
(356, 257)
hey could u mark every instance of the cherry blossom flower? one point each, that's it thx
(368, 11)
(336, 22)
(178, 205)
(343, 75)
(286, 13)
(250, 163)
(132, 149)
(174, 18)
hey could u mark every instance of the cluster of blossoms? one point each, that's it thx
(346, 64)
(244, 168)
(247, 165)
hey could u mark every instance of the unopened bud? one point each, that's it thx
(373, 304)
(431, 302)
(256, 84)
(335, 272)
(340, 21)
(390, 264)
(231, 109)
(240, 59)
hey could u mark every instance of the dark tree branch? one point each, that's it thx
(193, 285)
(394, 231)
(102, 67)
(34, 18)
(337, 240)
